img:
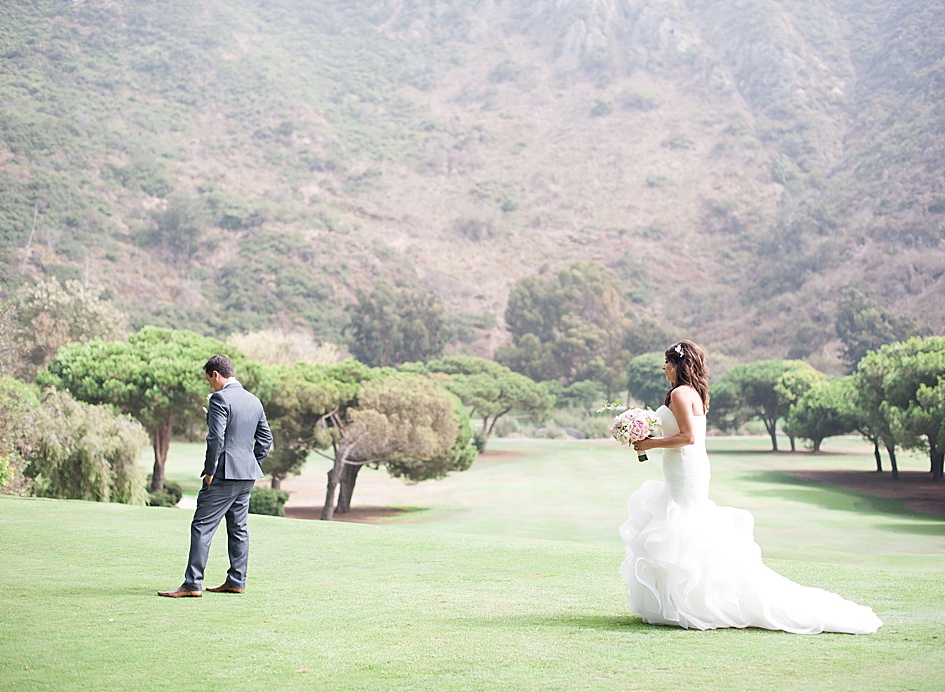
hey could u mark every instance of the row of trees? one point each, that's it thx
(569, 327)
(895, 398)
(412, 420)
(364, 415)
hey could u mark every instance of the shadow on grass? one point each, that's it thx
(614, 623)
(801, 454)
(633, 625)
(918, 529)
(831, 497)
(610, 623)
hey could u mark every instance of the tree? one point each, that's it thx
(405, 421)
(751, 391)
(156, 376)
(574, 326)
(915, 391)
(391, 326)
(45, 316)
(864, 327)
(926, 417)
(872, 403)
(586, 395)
(19, 419)
(300, 399)
(898, 388)
(491, 390)
(646, 380)
(793, 384)
(824, 410)
(87, 452)
(55, 446)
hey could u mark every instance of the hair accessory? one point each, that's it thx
(678, 349)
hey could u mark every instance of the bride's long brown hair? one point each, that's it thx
(690, 370)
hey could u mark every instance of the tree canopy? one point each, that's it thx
(404, 421)
(573, 325)
(42, 317)
(391, 326)
(491, 390)
(646, 380)
(156, 376)
(763, 390)
(903, 383)
(54, 446)
(298, 400)
(825, 409)
(278, 347)
(863, 326)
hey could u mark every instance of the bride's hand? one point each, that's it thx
(643, 445)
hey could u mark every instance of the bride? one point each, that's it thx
(693, 564)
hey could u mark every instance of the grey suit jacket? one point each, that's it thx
(238, 434)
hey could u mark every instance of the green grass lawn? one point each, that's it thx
(577, 491)
(459, 595)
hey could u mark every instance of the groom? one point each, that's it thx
(237, 443)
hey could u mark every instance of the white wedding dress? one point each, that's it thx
(693, 564)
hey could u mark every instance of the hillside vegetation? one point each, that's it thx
(235, 165)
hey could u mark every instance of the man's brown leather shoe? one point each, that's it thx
(226, 588)
(181, 592)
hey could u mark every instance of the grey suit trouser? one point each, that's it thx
(222, 498)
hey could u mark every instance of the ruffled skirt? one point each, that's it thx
(699, 567)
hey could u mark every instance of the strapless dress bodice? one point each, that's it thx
(686, 470)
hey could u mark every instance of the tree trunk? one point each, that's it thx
(275, 483)
(938, 462)
(794, 447)
(349, 476)
(817, 442)
(891, 450)
(160, 441)
(328, 510)
(879, 458)
(937, 457)
(495, 419)
(334, 478)
(772, 428)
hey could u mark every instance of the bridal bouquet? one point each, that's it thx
(633, 425)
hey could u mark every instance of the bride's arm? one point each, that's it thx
(682, 401)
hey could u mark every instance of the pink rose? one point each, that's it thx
(639, 430)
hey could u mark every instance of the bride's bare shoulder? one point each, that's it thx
(686, 396)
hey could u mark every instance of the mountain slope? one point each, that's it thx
(254, 162)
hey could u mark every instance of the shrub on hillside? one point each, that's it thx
(268, 501)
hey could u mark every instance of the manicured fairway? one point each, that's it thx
(336, 606)
(461, 598)
(577, 491)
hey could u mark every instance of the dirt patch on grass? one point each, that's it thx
(915, 489)
(357, 515)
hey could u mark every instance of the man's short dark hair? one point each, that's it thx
(220, 364)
